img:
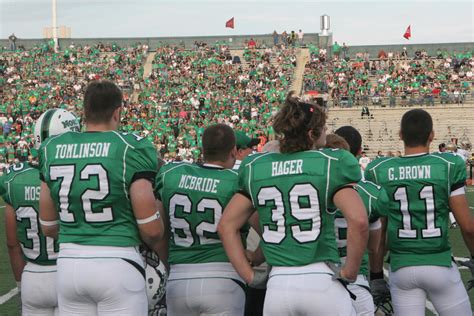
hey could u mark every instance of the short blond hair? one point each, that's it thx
(336, 141)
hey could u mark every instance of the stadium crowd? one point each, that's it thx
(391, 78)
(189, 89)
(186, 91)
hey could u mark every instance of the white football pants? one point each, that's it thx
(38, 291)
(205, 296)
(308, 290)
(100, 286)
(410, 286)
(364, 303)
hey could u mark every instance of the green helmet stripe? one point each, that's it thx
(45, 124)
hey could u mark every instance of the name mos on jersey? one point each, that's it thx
(21, 190)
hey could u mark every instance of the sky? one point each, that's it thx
(367, 22)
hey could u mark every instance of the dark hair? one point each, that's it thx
(101, 99)
(416, 127)
(217, 142)
(352, 137)
(441, 146)
(293, 122)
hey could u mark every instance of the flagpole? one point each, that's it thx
(55, 25)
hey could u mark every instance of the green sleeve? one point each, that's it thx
(458, 174)
(42, 163)
(243, 187)
(3, 189)
(159, 183)
(344, 171)
(369, 174)
(141, 162)
(380, 207)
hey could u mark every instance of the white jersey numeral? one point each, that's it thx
(67, 173)
(183, 233)
(276, 232)
(28, 213)
(97, 195)
(407, 231)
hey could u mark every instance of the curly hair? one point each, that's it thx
(293, 122)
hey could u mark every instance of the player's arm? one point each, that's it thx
(375, 237)
(13, 244)
(256, 257)
(460, 208)
(352, 207)
(48, 215)
(235, 215)
(377, 251)
(163, 251)
(146, 214)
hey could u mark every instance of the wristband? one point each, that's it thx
(376, 275)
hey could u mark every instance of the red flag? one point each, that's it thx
(407, 34)
(230, 23)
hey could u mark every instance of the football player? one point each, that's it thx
(422, 188)
(374, 198)
(32, 255)
(292, 192)
(97, 197)
(201, 279)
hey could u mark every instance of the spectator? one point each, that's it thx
(365, 112)
(275, 38)
(363, 161)
(345, 51)
(336, 49)
(300, 37)
(12, 39)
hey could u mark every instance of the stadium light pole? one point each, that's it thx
(55, 25)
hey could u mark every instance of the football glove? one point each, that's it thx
(470, 265)
(379, 290)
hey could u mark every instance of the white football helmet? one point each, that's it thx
(54, 122)
(156, 277)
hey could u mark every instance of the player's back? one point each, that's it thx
(89, 175)
(374, 198)
(22, 192)
(419, 187)
(195, 197)
(292, 194)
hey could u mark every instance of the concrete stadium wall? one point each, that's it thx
(239, 42)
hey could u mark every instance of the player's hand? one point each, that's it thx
(470, 265)
(260, 277)
(380, 290)
(340, 274)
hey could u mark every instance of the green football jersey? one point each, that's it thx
(89, 175)
(194, 197)
(292, 194)
(375, 199)
(419, 187)
(21, 191)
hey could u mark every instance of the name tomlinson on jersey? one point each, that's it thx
(87, 150)
(409, 172)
